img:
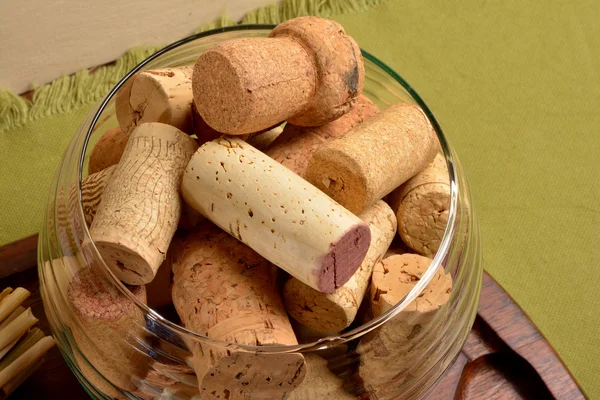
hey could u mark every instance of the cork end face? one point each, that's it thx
(252, 376)
(219, 95)
(344, 258)
(128, 266)
(423, 216)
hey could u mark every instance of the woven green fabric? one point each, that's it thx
(516, 88)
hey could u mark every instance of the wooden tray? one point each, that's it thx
(505, 356)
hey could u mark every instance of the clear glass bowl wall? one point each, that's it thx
(98, 354)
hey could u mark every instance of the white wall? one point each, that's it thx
(43, 39)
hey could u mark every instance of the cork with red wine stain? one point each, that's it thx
(275, 212)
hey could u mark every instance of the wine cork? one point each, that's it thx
(275, 212)
(395, 276)
(204, 133)
(226, 291)
(140, 207)
(335, 311)
(108, 150)
(263, 140)
(308, 72)
(295, 146)
(375, 157)
(389, 353)
(422, 205)
(106, 327)
(92, 187)
(320, 382)
(160, 95)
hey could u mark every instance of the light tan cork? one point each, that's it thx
(106, 327)
(320, 382)
(295, 146)
(422, 205)
(275, 212)
(225, 290)
(140, 207)
(263, 140)
(391, 352)
(335, 311)
(108, 150)
(375, 157)
(92, 187)
(308, 72)
(160, 95)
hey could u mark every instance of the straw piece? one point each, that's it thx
(17, 327)
(19, 379)
(33, 336)
(18, 311)
(12, 301)
(30, 357)
(5, 293)
(5, 350)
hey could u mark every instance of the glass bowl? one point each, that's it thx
(127, 350)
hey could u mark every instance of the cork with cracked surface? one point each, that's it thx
(108, 150)
(275, 212)
(308, 72)
(296, 144)
(375, 157)
(392, 351)
(105, 326)
(422, 205)
(335, 311)
(224, 290)
(141, 205)
(159, 95)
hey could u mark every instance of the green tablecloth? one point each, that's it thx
(516, 87)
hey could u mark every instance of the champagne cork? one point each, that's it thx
(390, 352)
(295, 146)
(308, 72)
(375, 157)
(226, 291)
(275, 212)
(320, 382)
(106, 327)
(335, 311)
(140, 207)
(421, 205)
(108, 150)
(160, 95)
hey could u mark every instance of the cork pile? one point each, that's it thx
(259, 193)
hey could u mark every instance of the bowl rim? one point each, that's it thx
(324, 342)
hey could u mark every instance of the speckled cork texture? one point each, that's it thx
(275, 212)
(393, 351)
(160, 95)
(422, 205)
(225, 290)
(296, 144)
(108, 150)
(308, 72)
(375, 157)
(336, 311)
(320, 382)
(105, 326)
(141, 206)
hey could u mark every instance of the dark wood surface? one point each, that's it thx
(504, 357)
